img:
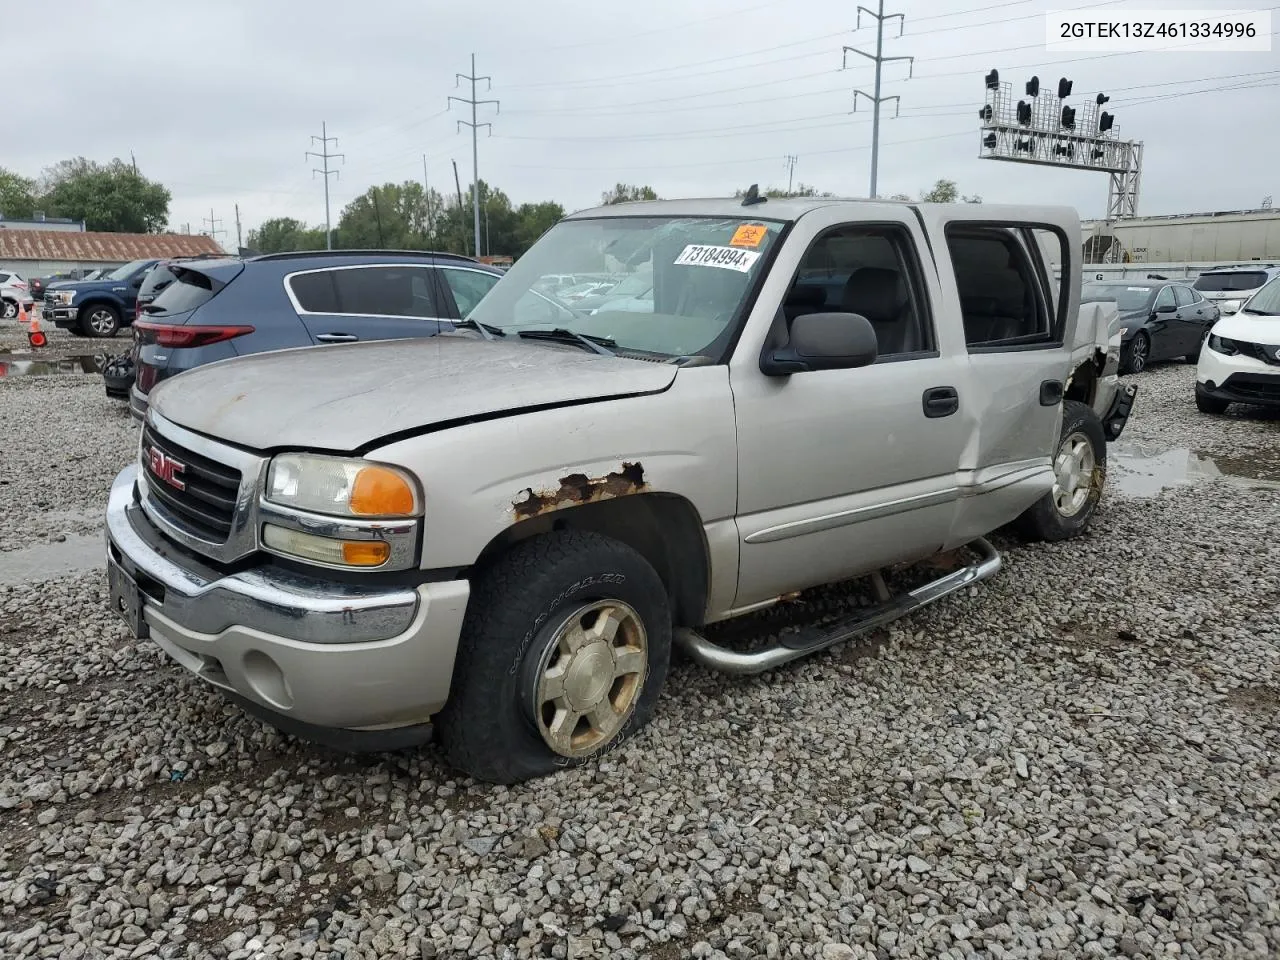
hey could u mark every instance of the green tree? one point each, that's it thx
(112, 197)
(799, 190)
(626, 193)
(392, 216)
(17, 195)
(284, 235)
(944, 191)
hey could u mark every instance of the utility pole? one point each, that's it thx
(791, 169)
(462, 229)
(324, 139)
(879, 59)
(427, 190)
(475, 150)
(378, 216)
(213, 226)
(239, 240)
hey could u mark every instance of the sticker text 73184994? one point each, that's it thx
(727, 258)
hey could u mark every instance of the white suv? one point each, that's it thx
(14, 292)
(1230, 287)
(1240, 360)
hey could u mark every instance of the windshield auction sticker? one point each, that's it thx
(748, 235)
(727, 258)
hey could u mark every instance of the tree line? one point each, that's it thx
(115, 197)
(112, 197)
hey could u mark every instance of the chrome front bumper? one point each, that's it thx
(303, 650)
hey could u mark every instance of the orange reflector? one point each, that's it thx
(365, 553)
(380, 492)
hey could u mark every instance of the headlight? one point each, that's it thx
(64, 297)
(1222, 345)
(342, 487)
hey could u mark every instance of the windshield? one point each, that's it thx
(701, 269)
(1126, 297)
(1231, 282)
(1266, 301)
(128, 270)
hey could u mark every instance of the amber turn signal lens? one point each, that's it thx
(365, 553)
(380, 492)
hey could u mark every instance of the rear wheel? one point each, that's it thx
(1137, 354)
(99, 320)
(563, 654)
(1079, 472)
(10, 309)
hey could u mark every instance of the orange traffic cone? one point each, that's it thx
(35, 336)
(22, 314)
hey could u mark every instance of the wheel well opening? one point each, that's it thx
(664, 529)
(1082, 383)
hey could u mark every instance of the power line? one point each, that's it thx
(213, 222)
(475, 149)
(326, 156)
(879, 60)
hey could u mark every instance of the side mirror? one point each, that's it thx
(1167, 308)
(1227, 309)
(823, 341)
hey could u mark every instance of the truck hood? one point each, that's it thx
(85, 286)
(344, 397)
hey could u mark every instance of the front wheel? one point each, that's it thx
(1137, 354)
(563, 654)
(8, 309)
(1210, 404)
(99, 320)
(1079, 473)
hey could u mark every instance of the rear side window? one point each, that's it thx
(386, 291)
(1231, 281)
(186, 290)
(1002, 284)
(1184, 295)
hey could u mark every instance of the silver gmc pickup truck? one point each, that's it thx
(499, 534)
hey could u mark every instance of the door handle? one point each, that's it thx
(1050, 393)
(337, 337)
(941, 402)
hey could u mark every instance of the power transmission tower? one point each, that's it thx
(324, 154)
(791, 169)
(239, 240)
(213, 230)
(879, 59)
(475, 149)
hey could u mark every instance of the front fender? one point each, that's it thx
(482, 478)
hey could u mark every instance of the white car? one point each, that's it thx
(1230, 287)
(1240, 360)
(14, 292)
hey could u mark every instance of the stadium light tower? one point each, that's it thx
(1041, 129)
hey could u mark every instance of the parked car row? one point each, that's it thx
(498, 520)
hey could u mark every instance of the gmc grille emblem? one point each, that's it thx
(166, 468)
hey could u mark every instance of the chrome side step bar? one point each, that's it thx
(810, 640)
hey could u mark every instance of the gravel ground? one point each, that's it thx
(1078, 758)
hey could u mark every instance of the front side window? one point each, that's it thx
(870, 271)
(468, 287)
(1164, 299)
(703, 270)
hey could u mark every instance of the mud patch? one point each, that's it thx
(24, 365)
(1255, 699)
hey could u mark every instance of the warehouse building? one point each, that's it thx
(39, 253)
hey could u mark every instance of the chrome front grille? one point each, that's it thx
(198, 492)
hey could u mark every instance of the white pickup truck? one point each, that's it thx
(500, 532)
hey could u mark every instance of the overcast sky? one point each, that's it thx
(218, 100)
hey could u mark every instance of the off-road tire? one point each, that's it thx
(107, 311)
(487, 729)
(1043, 521)
(1211, 405)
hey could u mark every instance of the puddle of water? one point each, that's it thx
(42, 561)
(79, 364)
(1142, 472)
